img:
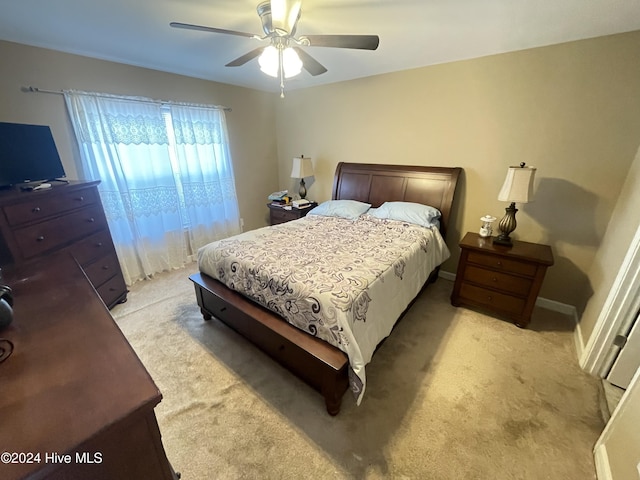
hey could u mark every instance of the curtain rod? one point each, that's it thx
(60, 92)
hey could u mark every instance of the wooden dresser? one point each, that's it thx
(69, 217)
(503, 280)
(76, 401)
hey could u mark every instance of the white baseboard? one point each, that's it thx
(447, 275)
(557, 307)
(603, 471)
(578, 339)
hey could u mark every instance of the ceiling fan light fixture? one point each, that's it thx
(269, 62)
(279, 22)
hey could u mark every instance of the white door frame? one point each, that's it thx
(600, 454)
(621, 303)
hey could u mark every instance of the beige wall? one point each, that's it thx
(572, 110)
(251, 124)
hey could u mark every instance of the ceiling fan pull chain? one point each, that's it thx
(280, 58)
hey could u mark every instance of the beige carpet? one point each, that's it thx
(452, 394)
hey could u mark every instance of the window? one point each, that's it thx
(167, 182)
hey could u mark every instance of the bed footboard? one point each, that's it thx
(321, 365)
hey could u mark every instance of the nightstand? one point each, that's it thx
(279, 214)
(502, 280)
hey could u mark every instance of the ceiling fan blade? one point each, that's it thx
(189, 26)
(245, 58)
(285, 15)
(309, 63)
(362, 42)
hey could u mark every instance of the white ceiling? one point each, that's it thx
(413, 33)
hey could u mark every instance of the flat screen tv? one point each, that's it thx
(28, 153)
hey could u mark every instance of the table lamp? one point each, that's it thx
(517, 188)
(302, 167)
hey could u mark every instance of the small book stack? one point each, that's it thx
(302, 203)
(280, 198)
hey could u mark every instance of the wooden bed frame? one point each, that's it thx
(321, 365)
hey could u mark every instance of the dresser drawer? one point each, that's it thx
(92, 247)
(41, 237)
(494, 300)
(112, 291)
(43, 205)
(501, 281)
(102, 269)
(504, 264)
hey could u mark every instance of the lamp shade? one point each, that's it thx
(518, 186)
(302, 167)
(269, 61)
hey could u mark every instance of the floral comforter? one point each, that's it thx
(344, 281)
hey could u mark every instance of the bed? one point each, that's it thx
(309, 311)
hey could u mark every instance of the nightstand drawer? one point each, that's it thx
(494, 300)
(282, 215)
(497, 280)
(504, 264)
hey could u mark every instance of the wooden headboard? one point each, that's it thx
(378, 183)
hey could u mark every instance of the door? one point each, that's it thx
(617, 320)
(628, 359)
(617, 451)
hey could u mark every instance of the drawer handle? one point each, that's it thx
(99, 244)
(40, 238)
(105, 267)
(80, 199)
(223, 309)
(92, 220)
(494, 279)
(35, 209)
(499, 263)
(489, 297)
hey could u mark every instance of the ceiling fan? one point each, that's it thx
(283, 57)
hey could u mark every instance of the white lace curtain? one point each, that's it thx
(167, 182)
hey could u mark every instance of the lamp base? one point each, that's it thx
(303, 189)
(506, 226)
(503, 240)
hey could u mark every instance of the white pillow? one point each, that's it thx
(408, 212)
(349, 209)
